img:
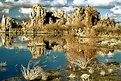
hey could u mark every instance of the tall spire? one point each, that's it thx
(3, 21)
(107, 15)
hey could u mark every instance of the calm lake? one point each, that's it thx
(54, 52)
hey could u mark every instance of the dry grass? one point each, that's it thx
(33, 72)
(54, 28)
(79, 60)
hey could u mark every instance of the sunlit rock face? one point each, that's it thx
(88, 16)
(107, 22)
(8, 24)
(83, 22)
(92, 16)
(37, 15)
(61, 17)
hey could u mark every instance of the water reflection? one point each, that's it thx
(3, 69)
(3, 66)
(85, 54)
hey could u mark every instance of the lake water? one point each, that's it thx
(14, 58)
(53, 52)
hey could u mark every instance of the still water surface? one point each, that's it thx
(53, 52)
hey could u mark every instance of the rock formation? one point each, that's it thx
(61, 17)
(8, 24)
(107, 22)
(92, 16)
(3, 22)
(82, 20)
(88, 16)
(37, 15)
(78, 15)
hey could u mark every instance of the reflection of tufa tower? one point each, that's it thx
(37, 49)
(7, 40)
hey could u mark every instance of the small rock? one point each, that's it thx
(85, 76)
(102, 73)
(72, 76)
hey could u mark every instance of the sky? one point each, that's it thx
(21, 8)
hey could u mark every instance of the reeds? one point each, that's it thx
(81, 61)
(33, 72)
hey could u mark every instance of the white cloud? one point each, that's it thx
(117, 17)
(100, 2)
(96, 3)
(6, 11)
(79, 2)
(116, 10)
(25, 10)
(29, 1)
(9, 0)
(116, 13)
(3, 5)
(59, 2)
(67, 10)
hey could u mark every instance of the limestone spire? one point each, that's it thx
(107, 15)
(3, 21)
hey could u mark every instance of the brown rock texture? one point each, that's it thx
(107, 22)
(88, 16)
(61, 17)
(37, 15)
(81, 21)
(8, 24)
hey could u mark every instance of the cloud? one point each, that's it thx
(25, 10)
(28, 1)
(9, 0)
(94, 3)
(79, 2)
(100, 2)
(5, 11)
(23, 1)
(116, 10)
(66, 9)
(117, 17)
(5, 5)
(116, 13)
(66, 5)
(59, 2)
(42, 2)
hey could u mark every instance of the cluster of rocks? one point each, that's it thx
(61, 17)
(8, 24)
(107, 22)
(88, 16)
(40, 18)
(37, 15)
